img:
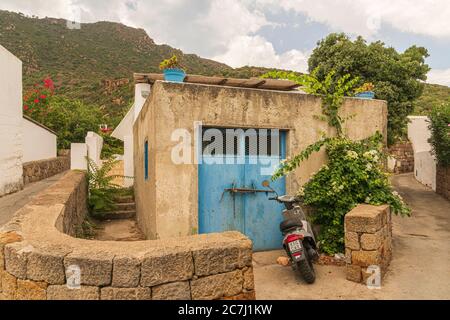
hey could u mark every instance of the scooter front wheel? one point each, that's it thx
(306, 270)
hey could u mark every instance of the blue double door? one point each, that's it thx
(231, 195)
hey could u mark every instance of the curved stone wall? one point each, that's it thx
(39, 259)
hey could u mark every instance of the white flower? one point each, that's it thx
(369, 167)
(368, 200)
(352, 155)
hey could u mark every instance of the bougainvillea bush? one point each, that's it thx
(70, 119)
(440, 133)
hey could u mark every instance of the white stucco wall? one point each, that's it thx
(38, 143)
(424, 161)
(94, 144)
(11, 141)
(124, 130)
(78, 154)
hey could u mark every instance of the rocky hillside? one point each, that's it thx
(96, 63)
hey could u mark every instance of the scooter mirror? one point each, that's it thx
(266, 184)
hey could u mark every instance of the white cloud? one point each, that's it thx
(439, 76)
(257, 51)
(364, 17)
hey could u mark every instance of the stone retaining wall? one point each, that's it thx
(403, 153)
(37, 260)
(443, 181)
(368, 241)
(39, 170)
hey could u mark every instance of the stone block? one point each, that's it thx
(96, 267)
(366, 258)
(172, 291)
(372, 241)
(16, 257)
(352, 240)
(31, 290)
(63, 293)
(126, 272)
(117, 294)
(209, 261)
(353, 273)
(348, 256)
(249, 279)
(7, 238)
(217, 286)
(365, 218)
(47, 265)
(161, 267)
(245, 296)
(8, 285)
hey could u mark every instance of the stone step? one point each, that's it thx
(131, 206)
(117, 215)
(124, 199)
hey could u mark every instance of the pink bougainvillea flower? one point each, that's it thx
(36, 100)
(25, 108)
(43, 96)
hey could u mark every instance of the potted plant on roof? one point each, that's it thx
(365, 91)
(172, 70)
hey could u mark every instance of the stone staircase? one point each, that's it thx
(125, 209)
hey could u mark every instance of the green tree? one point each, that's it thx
(70, 119)
(440, 133)
(396, 76)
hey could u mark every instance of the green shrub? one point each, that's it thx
(440, 133)
(353, 175)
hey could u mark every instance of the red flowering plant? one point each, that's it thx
(36, 100)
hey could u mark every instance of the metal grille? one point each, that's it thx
(255, 142)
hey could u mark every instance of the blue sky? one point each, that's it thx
(271, 33)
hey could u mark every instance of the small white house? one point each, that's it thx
(424, 160)
(124, 130)
(11, 140)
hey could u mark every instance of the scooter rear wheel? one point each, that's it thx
(306, 270)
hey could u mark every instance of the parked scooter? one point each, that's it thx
(299, 241)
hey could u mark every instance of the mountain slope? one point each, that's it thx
(81, 61)
(433, 94)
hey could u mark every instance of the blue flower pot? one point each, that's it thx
(174, 75)
(366, 95)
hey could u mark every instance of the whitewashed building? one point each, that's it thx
(22, 140)
(124, 130)
(11, 133)
(424, 160)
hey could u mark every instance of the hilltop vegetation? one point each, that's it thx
(433, 95)
(95, 64)
(86, 63)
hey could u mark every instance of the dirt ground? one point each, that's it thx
(420, 268)
(118, 230)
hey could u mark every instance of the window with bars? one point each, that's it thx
(234, 142)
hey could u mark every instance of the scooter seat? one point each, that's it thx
(289, 224)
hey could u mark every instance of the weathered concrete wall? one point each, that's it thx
(167, 203)
(368, 241)
(38, 142)
(39, 170)
(37, 255)
(443, 181)
(11, 140)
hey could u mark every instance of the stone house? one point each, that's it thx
(181, 189)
